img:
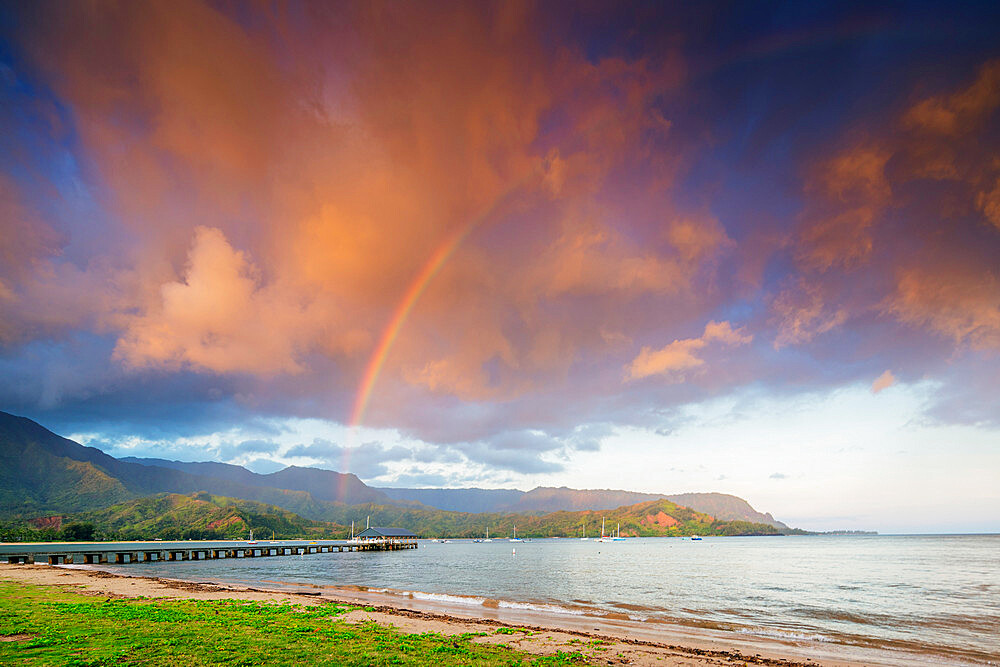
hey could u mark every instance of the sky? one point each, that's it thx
(751, 248)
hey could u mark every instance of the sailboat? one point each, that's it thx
(516, 538)
(618, 534)
(604, 538)
(251, 540)
(584, 532)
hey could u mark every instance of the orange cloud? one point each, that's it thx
(218, 317)
(900, 225)
(883, 381)
(989, 203)
(283, 183)
(682, 355)
(959, 112)
(851, 191)
(801, 314)
(959, 303)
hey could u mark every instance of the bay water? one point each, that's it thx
(935, 596)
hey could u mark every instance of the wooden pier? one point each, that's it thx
(94, 553)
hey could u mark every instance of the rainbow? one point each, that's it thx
(437, 260)
(410, 298)
(413, 293)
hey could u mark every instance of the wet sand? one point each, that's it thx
(622, 641)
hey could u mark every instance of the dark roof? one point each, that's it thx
(376, 531)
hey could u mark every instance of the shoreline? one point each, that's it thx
(623, 641)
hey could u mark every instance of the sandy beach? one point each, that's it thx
(622, 641)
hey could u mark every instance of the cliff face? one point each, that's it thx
(725, 507)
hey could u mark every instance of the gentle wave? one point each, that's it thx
(548, 608)
(450, 599)
(774, 633)
(478, 601)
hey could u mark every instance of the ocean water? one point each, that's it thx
(936, 597)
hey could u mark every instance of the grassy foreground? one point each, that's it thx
(45, 626)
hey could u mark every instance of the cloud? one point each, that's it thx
(801, 314)
(230, 452)
(230, 207)
(898, 230)
(851, 191)
(366, 461)
(778, 475)
(280, 263)
(218, 318)
(957, 302)
(513, 459)
(957, 113)
(883, 381)
(682, 355)
(589, 437)
(988, 202)
(428, 480)
(263, 466)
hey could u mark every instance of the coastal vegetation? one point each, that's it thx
(171, 516)
(93, 630)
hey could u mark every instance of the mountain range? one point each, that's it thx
(546, 499)
(44, 474)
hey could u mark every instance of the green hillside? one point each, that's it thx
(657, 518)
(204, 516)
(43, 473)
(34, 481)
(174, 516)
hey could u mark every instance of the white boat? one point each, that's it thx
(695, 538)
(516, 538)
(618, 534)
(604, 538)
(584, 532)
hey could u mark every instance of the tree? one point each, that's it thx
(78, 532)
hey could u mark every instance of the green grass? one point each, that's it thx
(63, 628)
